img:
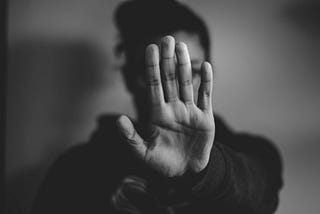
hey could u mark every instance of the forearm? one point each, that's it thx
(245, 180)
(239, 181)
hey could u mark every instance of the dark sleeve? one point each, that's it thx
(243, 176)
(82, 179)
(69, 187)
(57, 191)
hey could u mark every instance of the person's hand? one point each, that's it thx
(182, 131)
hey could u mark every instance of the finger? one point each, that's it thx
(185, 72)
(153, 75)
(168, 69)
(132, 137)
(205, 89)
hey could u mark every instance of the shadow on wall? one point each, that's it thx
(49, 85)
(305, 15)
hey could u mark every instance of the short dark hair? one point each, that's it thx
(138, 21)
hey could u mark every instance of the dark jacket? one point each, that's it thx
(242, 176)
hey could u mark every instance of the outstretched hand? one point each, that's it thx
(182, 130)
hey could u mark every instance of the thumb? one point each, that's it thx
(127, 129)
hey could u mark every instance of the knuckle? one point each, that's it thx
(189, 102)
(151, 66)
(167, 59)
(183, 65)
(187, 82)
(132, 137)
(131, 141)
(154, 82)
(170, 76)
(173, 98)
(206, 81)
(206, 93)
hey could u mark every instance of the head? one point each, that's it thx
(141, 22)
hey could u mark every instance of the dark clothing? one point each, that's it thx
(242, 176)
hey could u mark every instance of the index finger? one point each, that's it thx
(153, 74)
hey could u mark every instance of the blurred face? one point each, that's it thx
(197, 56)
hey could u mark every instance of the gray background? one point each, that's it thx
(62, 75)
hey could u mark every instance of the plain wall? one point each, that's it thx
(63, 75)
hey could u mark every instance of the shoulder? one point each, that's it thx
(248, 143)
(104, 147)
(225, 134)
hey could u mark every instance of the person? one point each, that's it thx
(178, 157)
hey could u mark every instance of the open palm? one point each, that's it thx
(182, 133)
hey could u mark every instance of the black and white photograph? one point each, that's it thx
(161, 107)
